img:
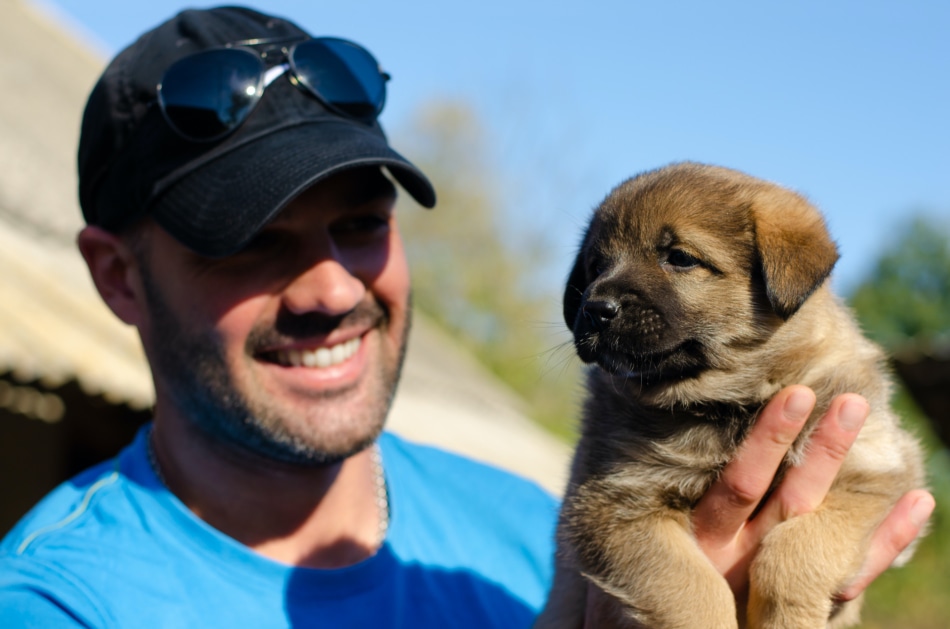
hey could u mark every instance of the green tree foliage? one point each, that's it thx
(475, 274)
(904, 304)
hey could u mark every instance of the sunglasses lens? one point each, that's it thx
(343, 74)
(208, 94)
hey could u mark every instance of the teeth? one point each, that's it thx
(337, 354)
(320, 357)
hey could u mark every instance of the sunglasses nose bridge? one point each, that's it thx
(272, 74)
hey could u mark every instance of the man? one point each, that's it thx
(239, 216)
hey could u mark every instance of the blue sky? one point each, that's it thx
(845, 101)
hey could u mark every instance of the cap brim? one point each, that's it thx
(218, 208)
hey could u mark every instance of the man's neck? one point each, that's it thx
(324, 517)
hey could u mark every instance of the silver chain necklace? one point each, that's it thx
(382, 494)
(380, 490)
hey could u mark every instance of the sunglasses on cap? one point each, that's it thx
(209, 94)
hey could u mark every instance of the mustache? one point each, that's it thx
(289, 327)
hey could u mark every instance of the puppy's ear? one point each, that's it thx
(574, 291)
(795, 250)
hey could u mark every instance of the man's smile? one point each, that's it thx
(320, 357)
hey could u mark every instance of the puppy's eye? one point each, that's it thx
(681, 259)
(596, 268)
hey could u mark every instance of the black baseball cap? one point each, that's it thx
(214, 197)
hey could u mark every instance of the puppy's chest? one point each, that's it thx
(669, 459)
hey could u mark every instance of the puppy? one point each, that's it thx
(698, 293)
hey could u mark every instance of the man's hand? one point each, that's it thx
(723, 522)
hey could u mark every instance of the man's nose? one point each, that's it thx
(326, 286)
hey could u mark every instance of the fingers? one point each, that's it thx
(805, 485)
(720, 519)
(727, 505)
(901, 527)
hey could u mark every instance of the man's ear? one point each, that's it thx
(115, 272)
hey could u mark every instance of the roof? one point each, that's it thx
(54, 328)
(46, 77)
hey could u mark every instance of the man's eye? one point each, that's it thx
(681, 259)
(369, 224)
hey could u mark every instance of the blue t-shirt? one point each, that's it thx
(468, 546)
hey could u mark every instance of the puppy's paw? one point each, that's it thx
(799, 567)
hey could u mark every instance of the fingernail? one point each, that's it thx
(921, 511)
(798, 405)
(852, 414)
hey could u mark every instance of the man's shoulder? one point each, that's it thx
(64, 511)
(70, 536)
(81, 526)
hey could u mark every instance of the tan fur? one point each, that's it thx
(684, 357)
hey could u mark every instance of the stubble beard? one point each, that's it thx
(200, 384)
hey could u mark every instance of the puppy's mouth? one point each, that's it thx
(677, 362)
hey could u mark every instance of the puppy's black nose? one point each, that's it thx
(600, 313)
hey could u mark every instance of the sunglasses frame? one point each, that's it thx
(267, 74)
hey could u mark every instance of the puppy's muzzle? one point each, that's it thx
(600, 313)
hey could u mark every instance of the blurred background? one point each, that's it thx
(525, 115)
